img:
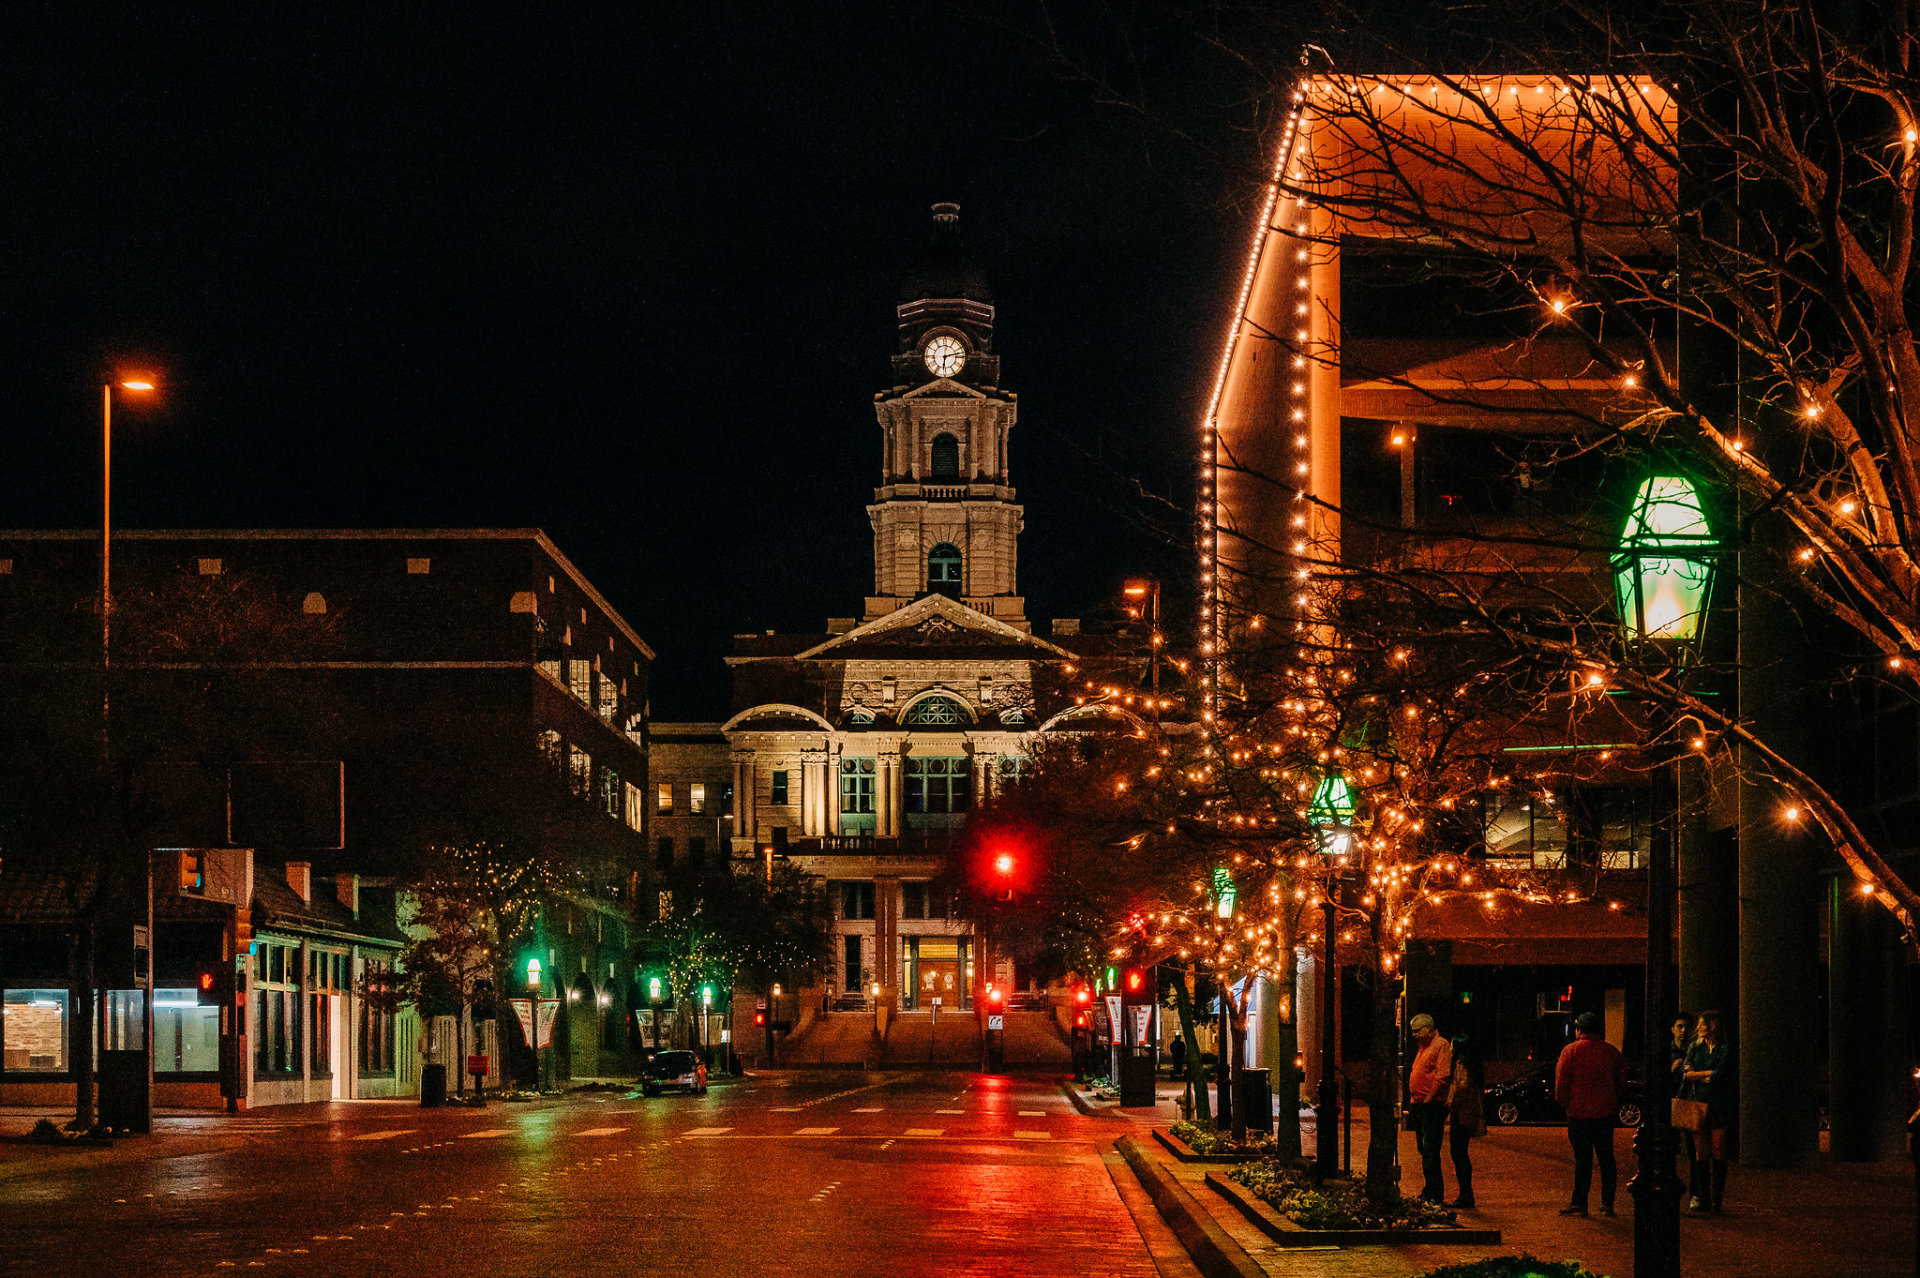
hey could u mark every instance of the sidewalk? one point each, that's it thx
(1852, 1219)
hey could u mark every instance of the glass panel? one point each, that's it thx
(936, 712)
(126, 1021)
(697, 798)
(186, 1036)
(36, 1034)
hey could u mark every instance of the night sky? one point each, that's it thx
(625, 276)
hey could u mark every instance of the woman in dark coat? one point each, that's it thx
(1709, 1078)
(1465, 1112)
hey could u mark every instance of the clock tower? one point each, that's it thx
(944, 516)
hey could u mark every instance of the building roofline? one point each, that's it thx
(534, 535)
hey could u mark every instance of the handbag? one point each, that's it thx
(1689, 1115)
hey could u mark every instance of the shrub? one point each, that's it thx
(1513, 1267)
(1201, 1138)
(1336, 1203)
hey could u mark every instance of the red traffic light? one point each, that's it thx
(1136, 980)
(1083, 995)
(995, 997)
(759, 1018)
(1004, 863)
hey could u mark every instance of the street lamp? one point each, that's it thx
(138, 385)
(1330, 812)
(1663, 572)
(1143, 603)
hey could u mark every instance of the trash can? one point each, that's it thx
(433, 1086)
(1253, 1095)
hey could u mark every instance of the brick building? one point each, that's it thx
(323, 708)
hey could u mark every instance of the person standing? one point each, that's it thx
(1709, 1078)
(1427, 1086)
(1466, 1115)
(1677, 1054)
(1587, 1081)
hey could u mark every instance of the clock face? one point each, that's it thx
(945, 355)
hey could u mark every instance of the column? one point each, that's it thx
(1867, 1027)
(744, 824)
(1779, 910)
(1709, 888)
(984, 764)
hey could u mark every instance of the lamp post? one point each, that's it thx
(1662, 573)
(1331, 813)
(141, 385)
(533, 993)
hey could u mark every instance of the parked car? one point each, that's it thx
(1529, 1099)
(674, 1069)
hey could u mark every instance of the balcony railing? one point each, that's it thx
(913, 842)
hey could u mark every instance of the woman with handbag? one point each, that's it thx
(1466, 1114)
(1709, 1083)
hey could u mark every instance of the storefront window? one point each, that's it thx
(376, 1024)
(186, 1036)
(276, 1010)
(36, 1033)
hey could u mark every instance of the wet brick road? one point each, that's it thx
(817, 1174)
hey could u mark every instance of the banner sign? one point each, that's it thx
(1116, 1027)
(523, 1011)
(549, 1012)
(1142, 1025)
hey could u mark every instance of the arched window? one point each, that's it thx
(943, 569)
(937, 712)
(946, 457)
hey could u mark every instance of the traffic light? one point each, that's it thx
(1137, 988)
(213, 991)
(1083, 996)
(760, 1017)
(996, 998)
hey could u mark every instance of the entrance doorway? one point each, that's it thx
(338, 1047)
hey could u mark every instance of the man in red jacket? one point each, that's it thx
(1587, 1082)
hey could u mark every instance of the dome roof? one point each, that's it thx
(942, 268)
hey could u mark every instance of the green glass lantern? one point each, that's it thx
(1332, 802)
(1663, 568)
(1224, 893)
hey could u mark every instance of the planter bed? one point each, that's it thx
(1286, 1233)
(1184, 1152)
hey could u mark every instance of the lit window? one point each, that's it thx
(943, 569)
(856, 785)
(946, 457)
(696, 798)
(580, 681)
(636, 816)
(936, 712)
(548, 743)
(938, 785)
(36, 1032)
(209, 567)
(419, 567)
(663, 797)
(579, 771)
(610, 792)
(609, 699)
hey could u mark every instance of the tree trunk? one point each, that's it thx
(1383, 1140)
(1286, 1076)
(1222, 1061)
(1196, 1080)
(460, 1048)
(80, 1023)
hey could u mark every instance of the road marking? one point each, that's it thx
(786, 1109)
(816, 1131)
(925, 1131)
(871, 1109)
(1033, 1113)
(949, 1111)
(601, 1131)
(404, 1131)
(1031, 1136)
(708, 1131)
(491, 1131)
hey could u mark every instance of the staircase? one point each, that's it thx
(917, 1039)
(1034, 1039)
(837, 1038)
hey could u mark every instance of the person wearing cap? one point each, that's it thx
(1587, 1081)
(1427, 1090)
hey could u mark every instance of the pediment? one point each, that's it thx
(932, 625)
(944, 388)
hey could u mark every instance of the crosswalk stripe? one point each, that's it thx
(925, 1131)
(1030, 1136)
(708, 1131)
(408, 1131)
(491, 1131)
(787, 1109)
(1033, 1113)
(601, 1131)
(949, 1111)
(871, 1109)
(816, 1131)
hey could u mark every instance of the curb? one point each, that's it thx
(1214, 1253)
(1073, 1095)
